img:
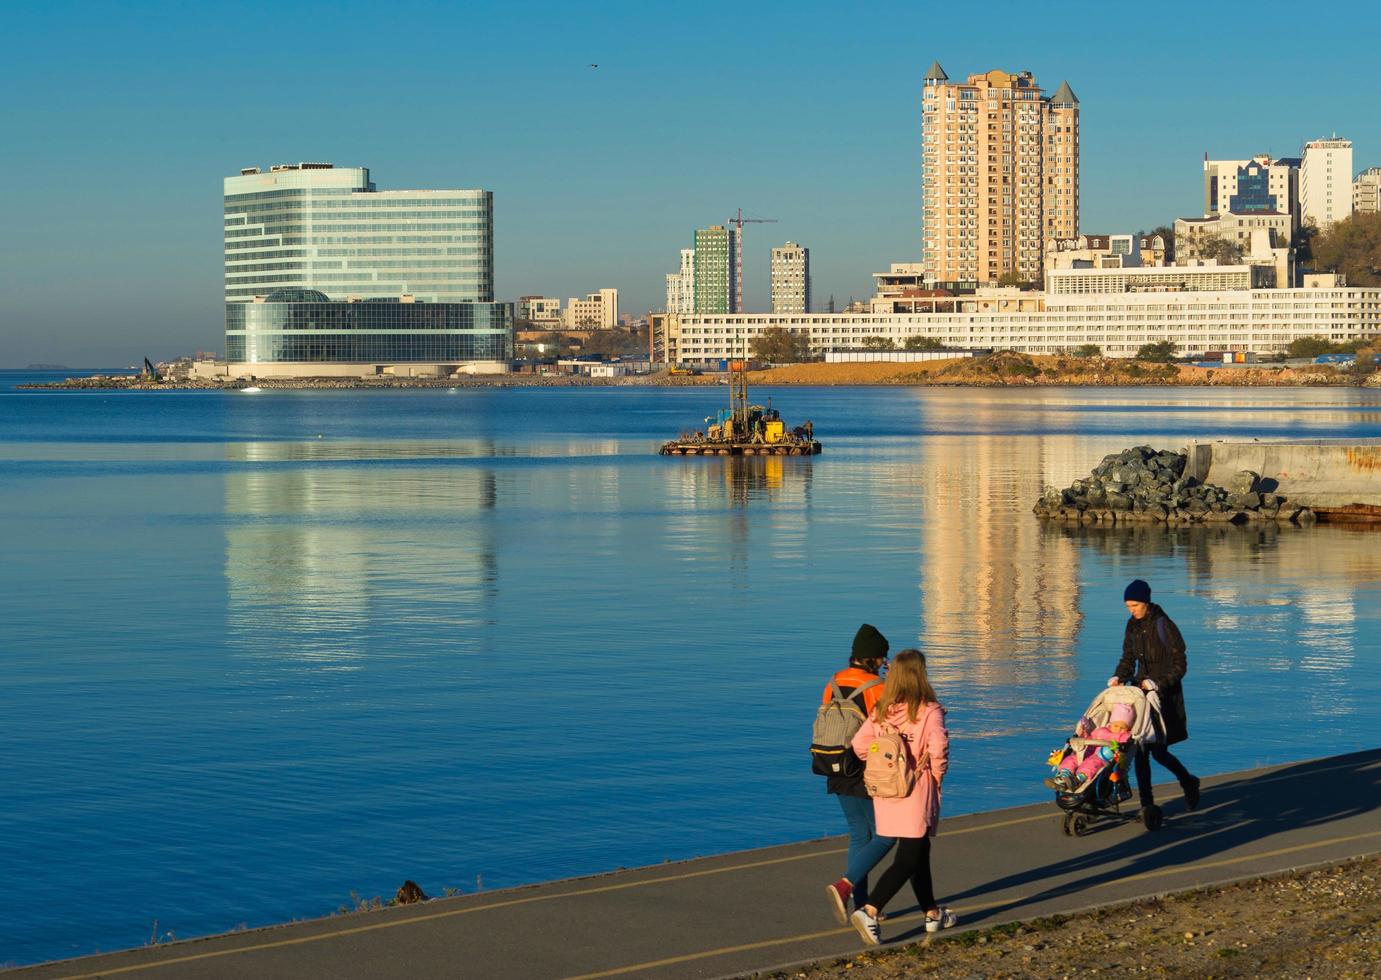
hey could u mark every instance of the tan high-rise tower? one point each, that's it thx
(1000, 175)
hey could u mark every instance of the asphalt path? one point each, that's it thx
(755, 910)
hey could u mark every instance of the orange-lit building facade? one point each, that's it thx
(1000, 175)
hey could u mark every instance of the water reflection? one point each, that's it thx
(996, 593)
(325, 564)
(1272, 599)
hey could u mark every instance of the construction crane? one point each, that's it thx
(739, 221)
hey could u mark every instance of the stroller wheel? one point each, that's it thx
(1075, 825)
(1151, 817)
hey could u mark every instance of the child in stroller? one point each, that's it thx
(1076, 768)
(1089, 772)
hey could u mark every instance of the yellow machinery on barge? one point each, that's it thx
(745, 430)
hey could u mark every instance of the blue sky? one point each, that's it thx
(119, 122)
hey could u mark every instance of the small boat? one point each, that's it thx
(745, 430)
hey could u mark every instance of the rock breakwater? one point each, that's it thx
(1145, 484)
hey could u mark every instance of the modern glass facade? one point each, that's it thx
(302, 326)
(323, 227)
(1253, 192)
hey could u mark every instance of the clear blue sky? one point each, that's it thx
(119, 122)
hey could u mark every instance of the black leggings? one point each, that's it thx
(1143, 770)
(912, 861)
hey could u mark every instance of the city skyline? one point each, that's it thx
(125, 121)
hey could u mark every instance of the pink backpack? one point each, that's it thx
(888, 772)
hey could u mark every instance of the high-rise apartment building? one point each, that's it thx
(791, 279)
(1000, 175)
(1366, 192)
(681, 285)
(1325, 181)
(327, 228)
(715, 253)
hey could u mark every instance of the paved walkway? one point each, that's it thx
(750, 911)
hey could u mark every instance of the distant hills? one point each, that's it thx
(47, 367)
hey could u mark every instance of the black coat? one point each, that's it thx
(1153, 647)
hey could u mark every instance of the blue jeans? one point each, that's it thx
(866, 848)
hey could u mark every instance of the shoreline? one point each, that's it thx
(1003, 369)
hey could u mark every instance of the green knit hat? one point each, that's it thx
(869, 644)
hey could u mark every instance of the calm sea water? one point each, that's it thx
(261, 651)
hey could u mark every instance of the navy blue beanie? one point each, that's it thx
(1138, 591)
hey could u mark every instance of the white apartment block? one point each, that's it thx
(791, 279)
(598, 311)
(540, 311)
(1366, 192)
(1325, 181)
(681, 285)
(1239, 319)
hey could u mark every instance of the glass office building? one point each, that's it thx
(318, 226)
(303, 326)
(325, 274)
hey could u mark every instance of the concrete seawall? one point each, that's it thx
(1338, 481)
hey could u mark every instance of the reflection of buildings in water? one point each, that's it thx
(321, 560)
(770, 493)
(1280, 598)
(999, 599)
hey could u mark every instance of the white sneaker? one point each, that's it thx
(944, 920)
(866, 926)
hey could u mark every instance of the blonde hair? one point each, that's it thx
(906, 684)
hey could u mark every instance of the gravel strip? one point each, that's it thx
(1321, 924)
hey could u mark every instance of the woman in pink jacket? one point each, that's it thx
(908, 705)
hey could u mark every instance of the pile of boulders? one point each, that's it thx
(1143, 484)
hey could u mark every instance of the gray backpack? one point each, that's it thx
(836, 723)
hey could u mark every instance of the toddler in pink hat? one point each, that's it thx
(1078, 767)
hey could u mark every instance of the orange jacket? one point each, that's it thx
(850, 678)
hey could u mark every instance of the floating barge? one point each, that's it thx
(745, 430)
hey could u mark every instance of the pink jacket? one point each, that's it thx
(918, 815)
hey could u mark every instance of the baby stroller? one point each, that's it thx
(1101, 796)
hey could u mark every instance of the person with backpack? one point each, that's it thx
(849, 698)
(1153, 658)
(905, 748)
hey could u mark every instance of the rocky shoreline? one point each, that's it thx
(1143, 484)
(137, 383)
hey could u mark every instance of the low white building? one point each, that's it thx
(597, 310)
(1366, 192)
(540, 311)
(1237, 319)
